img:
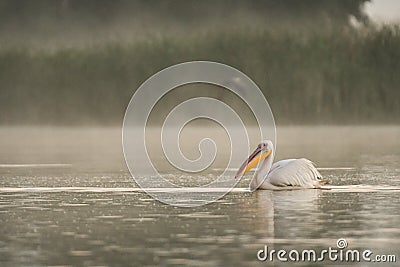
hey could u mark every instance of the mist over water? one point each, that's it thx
(100, 149)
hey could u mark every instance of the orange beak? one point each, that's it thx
(257, 156)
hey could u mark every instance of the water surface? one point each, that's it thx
(104, 221)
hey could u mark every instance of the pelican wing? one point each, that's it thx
(294, 172)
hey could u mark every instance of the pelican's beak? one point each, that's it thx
(258, 155)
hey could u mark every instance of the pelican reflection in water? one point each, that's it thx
(284, 174)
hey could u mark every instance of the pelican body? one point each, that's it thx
(282, 175)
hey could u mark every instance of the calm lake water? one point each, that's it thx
(95, 217)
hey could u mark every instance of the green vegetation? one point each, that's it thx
(337, 76)
(79, 62)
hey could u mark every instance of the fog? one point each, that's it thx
(100, 148)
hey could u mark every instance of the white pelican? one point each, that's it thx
(284, 174)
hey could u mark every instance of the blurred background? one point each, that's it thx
(72, 62)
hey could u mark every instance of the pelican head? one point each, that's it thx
(263, 150)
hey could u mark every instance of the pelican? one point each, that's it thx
(284, 174)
